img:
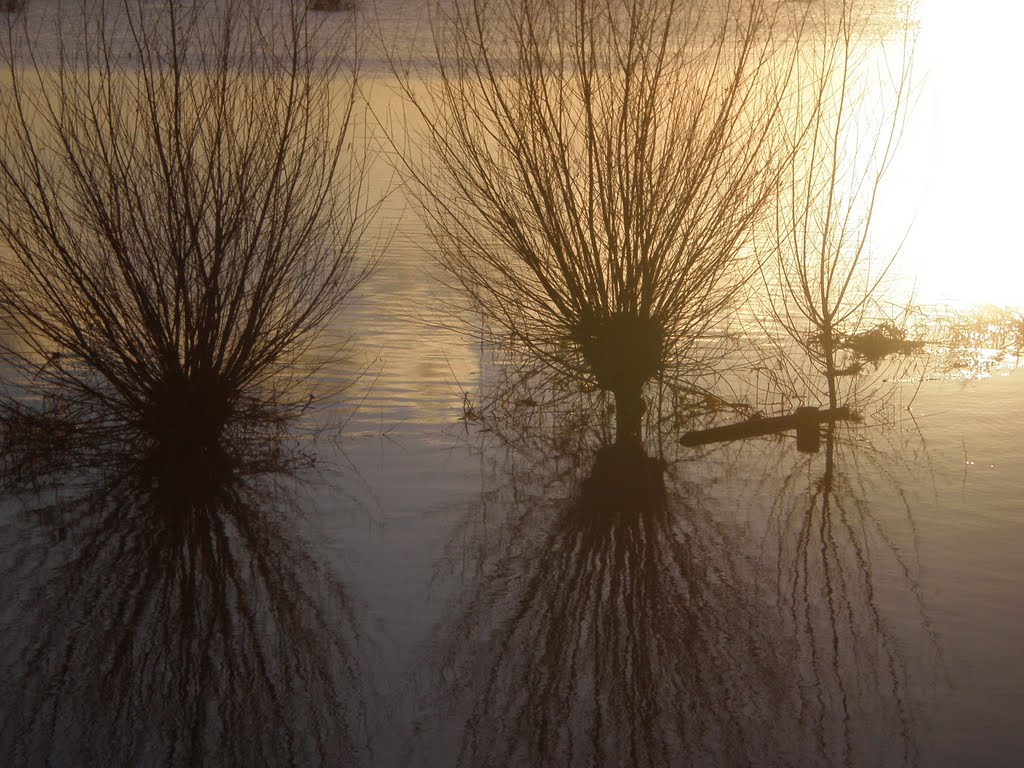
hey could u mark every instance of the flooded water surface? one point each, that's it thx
(462, 569)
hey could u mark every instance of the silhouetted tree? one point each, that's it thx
(823, 283)
(593, 173)
(179, 210)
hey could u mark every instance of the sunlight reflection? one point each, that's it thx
(961, 161)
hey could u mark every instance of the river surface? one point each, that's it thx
(439, 590)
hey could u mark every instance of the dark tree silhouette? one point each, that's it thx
(593, 173)
(179, 211)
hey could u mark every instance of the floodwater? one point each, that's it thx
(438, 590)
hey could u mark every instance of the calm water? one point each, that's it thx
(435, 593)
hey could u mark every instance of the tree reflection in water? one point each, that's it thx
(844, 542)
(165, 617)
(618, 623)
(622, 616)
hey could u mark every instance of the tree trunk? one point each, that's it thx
(828, 343)
(629, 413)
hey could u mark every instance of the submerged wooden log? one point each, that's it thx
(805, 421)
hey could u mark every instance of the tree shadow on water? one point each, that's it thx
(174, 615)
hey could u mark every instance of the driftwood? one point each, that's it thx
(805, 421)
(330, 5)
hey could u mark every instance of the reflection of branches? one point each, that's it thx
(832, 546)
(174, 618)
(618, 626)
(617, 615)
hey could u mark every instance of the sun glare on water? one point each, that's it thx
(957, 179)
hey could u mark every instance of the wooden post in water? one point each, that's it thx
(808, 438)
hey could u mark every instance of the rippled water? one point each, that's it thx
(435, 592)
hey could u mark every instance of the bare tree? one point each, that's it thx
(179, 212)
(593, 173)
(824, 284)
